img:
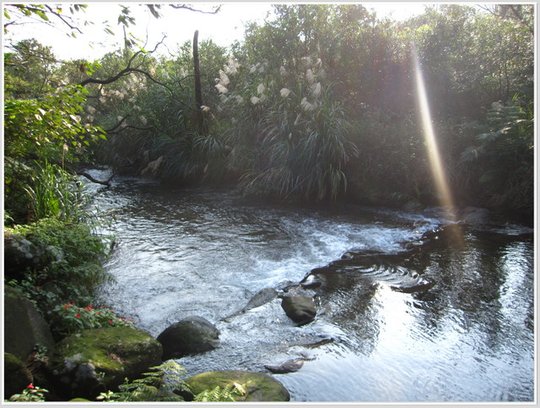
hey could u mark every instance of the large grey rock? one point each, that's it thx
(96, 360)
(188, 336)
(300, 309)
(24, 327)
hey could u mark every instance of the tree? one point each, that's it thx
(29, 70)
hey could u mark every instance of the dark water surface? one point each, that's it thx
(200, 252)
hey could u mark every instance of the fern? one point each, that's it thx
(156, 385)
(230, 393)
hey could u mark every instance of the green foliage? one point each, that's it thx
(299, 136)
(315, 103)
(73, 270)
(56, 193)
(507, 142)
(30, 394)
(70, 318)
(230, 393)
(156, 385)
(29, 70)
(48, 129)
(164, 383)
(40, 135)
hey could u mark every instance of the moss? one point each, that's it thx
(260, 387)
(109, 349)
(97, 359)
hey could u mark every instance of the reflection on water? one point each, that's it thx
(468, 338)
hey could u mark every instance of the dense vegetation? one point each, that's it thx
(318, 103)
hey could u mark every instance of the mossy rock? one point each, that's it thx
(97, 360)
(17, 376)
(78, 399)
(24, 327)
(259, 386)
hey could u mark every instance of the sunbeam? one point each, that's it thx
(441, 183)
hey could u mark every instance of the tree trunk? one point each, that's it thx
(198, 92)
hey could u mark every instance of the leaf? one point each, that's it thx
(42, 15)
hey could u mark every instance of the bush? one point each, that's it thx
(73, 270)
(69, 318)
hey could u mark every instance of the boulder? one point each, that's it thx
(97, 360)
(191, 335)
(16, 375)
(259, 386)
(300, 309)
(24, 327)
(20, 255)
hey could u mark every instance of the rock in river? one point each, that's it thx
(188, 336)
(289, 366)
(96, 360)
(258, 386)
(300, 309)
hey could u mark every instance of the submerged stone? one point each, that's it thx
(289, 366)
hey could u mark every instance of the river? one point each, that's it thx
(470, 337)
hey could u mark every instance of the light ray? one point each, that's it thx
(441, 183)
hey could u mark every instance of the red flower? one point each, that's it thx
(78, 316)
(110, 322)
(67, 306)
(89, 308)
(30, 386)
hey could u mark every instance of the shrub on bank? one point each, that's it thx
(72, 263)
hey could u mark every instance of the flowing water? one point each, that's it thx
(469, 337)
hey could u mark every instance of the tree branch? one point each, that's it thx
(64, 20)
(94, 180)
(128, 70)
(112, 130)
(186, 7)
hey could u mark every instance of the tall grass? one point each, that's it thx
(55, 193)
